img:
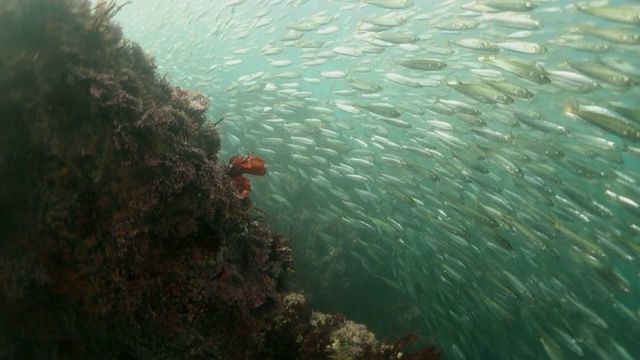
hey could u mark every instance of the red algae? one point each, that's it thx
(239, 165)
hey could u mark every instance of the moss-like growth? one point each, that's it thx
(120, 231)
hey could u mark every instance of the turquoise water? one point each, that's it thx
(516, 235)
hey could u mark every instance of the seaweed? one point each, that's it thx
(239, 165)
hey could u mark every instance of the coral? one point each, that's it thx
(353, 340)
(299, 332)
(193, 101)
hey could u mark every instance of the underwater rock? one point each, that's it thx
(122, 235)
(299, 332)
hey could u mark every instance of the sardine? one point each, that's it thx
(382, 110)
(603, 73)
(519, 68)
(522, 47)
(626, 14)
(604, 120)
(616, 35)
(481, 93)
(423, 64)
(510, 89)
(477, 44)
(390, 4)
(509, 5)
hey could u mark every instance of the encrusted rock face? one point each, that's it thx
(352, 340)
(121, 233)
(301, 333)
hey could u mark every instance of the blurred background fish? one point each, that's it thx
(470, 167)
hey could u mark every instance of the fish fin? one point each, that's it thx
(451, 82)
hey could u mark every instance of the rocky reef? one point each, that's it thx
(122, 235)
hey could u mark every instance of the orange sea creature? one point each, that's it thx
(239, 165)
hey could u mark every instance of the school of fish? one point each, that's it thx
(482, 157)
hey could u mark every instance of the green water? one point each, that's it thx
(507, 238)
